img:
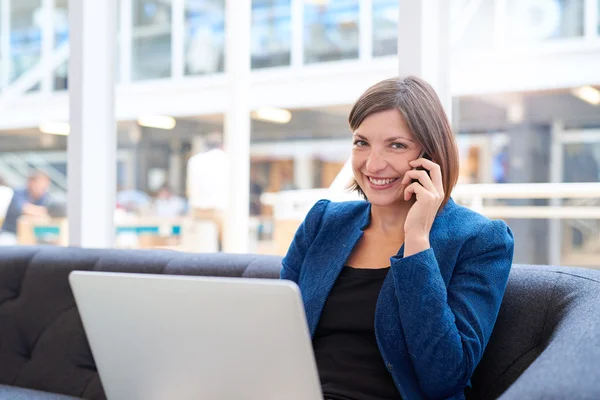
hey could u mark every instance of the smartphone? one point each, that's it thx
(425, 156)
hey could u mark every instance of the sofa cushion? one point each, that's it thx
(16, 393)
(42, 342)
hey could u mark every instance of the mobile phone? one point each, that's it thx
(425, 156)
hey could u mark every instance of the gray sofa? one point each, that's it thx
(546, 343)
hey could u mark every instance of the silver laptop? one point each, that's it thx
(158, 337)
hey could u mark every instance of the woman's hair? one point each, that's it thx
(424, 114)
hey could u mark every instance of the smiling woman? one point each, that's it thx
(401, 291)
(403, 118)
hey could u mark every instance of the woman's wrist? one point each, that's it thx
(414, 244)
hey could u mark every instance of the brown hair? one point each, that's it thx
(424, 114)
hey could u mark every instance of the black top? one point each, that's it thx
(348, 358)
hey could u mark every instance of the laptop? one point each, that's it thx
(157, 337)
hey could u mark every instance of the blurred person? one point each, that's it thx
(256, 190)
(132, 200)
(32, 200)
(401, 291)
(168, 204)
(207, 183)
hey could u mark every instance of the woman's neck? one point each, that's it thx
(389, 220)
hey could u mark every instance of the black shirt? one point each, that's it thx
(348, 358)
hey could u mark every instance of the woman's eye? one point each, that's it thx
(398, 146)
(360, 143)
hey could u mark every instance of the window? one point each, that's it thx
(330, 30)
(204, 36)
(271, 33)
(151, 42)
(385, 27)
(532, 21)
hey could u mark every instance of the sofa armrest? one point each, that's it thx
(566, 369)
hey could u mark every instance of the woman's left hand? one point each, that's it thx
(429, 194)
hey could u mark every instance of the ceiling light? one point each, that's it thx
(157, 121)
(55, 128)
(276, 115)
(588, 94)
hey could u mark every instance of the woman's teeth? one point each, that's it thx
(381, 182)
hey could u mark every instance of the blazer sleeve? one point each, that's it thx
(303, 238)
(447, 330)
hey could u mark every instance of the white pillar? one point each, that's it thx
(237, 124)
(92, 141)
(424, 44)
(303, 171)
(5, 60)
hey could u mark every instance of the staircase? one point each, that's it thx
(16, 167)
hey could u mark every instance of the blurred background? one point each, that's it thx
(525, 106)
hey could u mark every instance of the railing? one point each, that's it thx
(15, 168)
(579, 209)
(33, 76)
(294, 204)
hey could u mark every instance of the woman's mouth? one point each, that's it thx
(381, 183)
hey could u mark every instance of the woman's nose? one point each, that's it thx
(375, 162)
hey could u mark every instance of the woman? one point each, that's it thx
(401, 291)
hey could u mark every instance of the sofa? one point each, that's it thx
(545, 345)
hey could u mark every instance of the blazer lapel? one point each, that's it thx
(321, 278)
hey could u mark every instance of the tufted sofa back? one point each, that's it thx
(545, 343)
(42, 342)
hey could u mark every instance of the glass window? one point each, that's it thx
(61, 37)
(385, 27)
(271, 33)
(478, 31)
(531, 21)
(330, 30)
(204, 36)
(25, 36)
(61, 23)
(151, 42)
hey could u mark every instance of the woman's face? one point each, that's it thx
(383, 145)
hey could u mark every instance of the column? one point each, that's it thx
(237, 124)
(424, 44)
(5, 60)
(92, 141)
(303, 171)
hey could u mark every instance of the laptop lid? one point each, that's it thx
(184, 337)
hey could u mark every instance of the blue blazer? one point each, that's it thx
(436, 309)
